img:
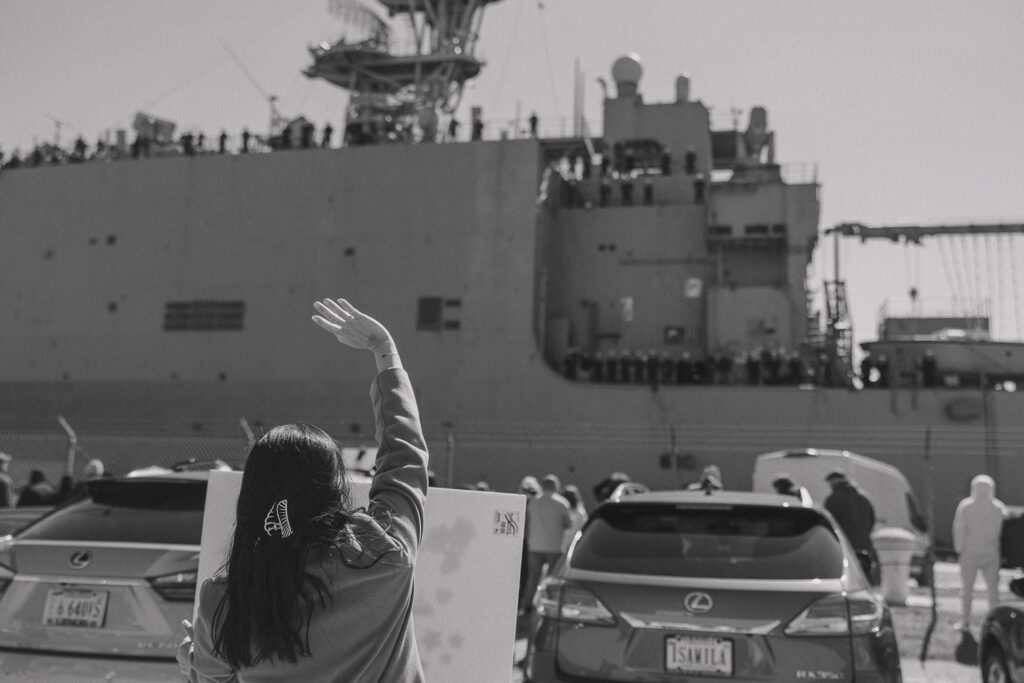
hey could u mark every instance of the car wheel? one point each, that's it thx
(993, 668)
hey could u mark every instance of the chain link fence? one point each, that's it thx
(120, 453)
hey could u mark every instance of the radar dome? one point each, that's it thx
(626, 71)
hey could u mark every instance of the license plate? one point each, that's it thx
(698, 655)
(71, 607)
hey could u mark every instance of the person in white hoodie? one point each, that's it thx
(977, 524)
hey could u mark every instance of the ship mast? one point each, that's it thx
(398, 90)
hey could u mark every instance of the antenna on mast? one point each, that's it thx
(57, 125)
(275, 116)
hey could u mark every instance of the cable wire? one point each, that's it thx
(547, 58)
(951, 281)
(960, 273)
(995, 292)
(499, 84)
(978, 282)
(203, 68)
(1002, 255)
(1016, 291)
(969, 281)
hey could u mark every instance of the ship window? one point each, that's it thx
(203, 316)
(452, 324)
(779, 229)
(721, 230)
(756, 229)
(453, 303)
(428, 313)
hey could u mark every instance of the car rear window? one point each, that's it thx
(741, 542)
(131, 511)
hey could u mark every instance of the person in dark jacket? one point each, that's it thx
(856, 517)
(69, 488)
(38, 491)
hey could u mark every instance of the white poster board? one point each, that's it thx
(467, 574)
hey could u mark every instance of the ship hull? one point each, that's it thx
(443, 243)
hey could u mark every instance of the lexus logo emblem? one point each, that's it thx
(697, 603)
(80, 559)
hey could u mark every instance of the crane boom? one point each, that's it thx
(914, 233)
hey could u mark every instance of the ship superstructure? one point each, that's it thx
(396, 94)
(685, 242)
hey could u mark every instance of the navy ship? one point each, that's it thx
(635, 300)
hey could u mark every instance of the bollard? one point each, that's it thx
(895, 547)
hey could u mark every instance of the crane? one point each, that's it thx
(839, 329)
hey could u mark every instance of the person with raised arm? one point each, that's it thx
(314, 589)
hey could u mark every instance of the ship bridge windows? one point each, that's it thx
(644, 155)
(204, 316)
(435, 313)
(429, 313)
(756, 231)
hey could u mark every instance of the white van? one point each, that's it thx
(894, 501)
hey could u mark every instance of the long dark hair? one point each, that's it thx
(271, 596)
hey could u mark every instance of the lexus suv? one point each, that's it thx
(709, 586)
(97, 589)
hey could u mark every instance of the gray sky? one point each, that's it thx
(911, 110)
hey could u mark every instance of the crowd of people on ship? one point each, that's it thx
(299, 134)
(189, 143)
(761, 366)
(877, 373)
(624, 180)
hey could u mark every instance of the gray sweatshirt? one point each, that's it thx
(366, 632)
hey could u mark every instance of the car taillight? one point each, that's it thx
(567, 601)
(837, 615)
(178, 587)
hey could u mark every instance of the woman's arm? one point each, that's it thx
(400, 482)
(196, 659)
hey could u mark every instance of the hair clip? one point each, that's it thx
(277, 520)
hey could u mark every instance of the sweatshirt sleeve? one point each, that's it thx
(400, 482)
(196, 659)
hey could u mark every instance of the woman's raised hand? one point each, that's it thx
(352, 327)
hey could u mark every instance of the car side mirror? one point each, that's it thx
(1017, 586)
